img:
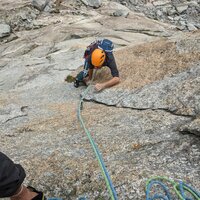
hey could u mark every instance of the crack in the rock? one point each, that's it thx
(141, 109)
(14, 118)
(67, 69)
(145, 32)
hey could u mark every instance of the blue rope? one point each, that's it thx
(107, 174)
(107, 178)
(157, 196)
(180, 188)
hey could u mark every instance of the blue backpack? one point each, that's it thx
(104, 44)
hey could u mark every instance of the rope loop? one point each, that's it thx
(181, 189)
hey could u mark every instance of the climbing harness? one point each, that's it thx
(180, 189)
(107, 178)
(97, 58)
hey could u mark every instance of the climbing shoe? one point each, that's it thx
(80, 79)
(79, 83)
(76, 83)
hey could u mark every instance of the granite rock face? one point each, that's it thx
(21, 18)
(40, 4)
(4, 30)
(92, 3)
(173, 87)
(178, 94)
(184, 14)
(146, 126)
(193, 127)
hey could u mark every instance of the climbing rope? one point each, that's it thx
(180, 189)
(107, 178)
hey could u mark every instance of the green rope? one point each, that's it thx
(176, 187)
(95, 148)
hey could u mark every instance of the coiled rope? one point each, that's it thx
(107, 178)
(180, 189)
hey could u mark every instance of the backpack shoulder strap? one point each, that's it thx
(91, 48)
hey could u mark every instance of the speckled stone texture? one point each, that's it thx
(148, 125)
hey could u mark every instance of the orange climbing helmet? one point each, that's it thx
(98, 57)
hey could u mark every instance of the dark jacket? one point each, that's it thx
(11, 176)
(109, 61)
